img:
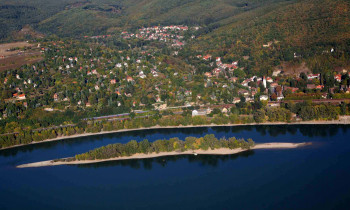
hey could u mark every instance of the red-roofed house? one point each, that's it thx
(313, 76)
(129, 79)
(208, 74)
(320, 87)
(22, 97)
(113, 81)
(207, 57)
(337, 77)
(55, 97)
(217, 71)
(293, 89)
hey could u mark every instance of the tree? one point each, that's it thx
(343, 108)
(144, 146)
(274, 97)
(132, 115)
(259, 116)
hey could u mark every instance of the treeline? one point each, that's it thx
(273, 115)
(303, 96)
(286, 113)
(174, 144)
(26, 137)
(341, 96)
(306, 111)
(318, 112)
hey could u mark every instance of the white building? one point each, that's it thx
(198, 113)
(264, 98)
(194, 113)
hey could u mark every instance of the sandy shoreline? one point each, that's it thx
(343, 120)
(221, 151)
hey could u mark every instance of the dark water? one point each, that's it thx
(313, 177)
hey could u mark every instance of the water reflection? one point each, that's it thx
(203, 160)
(305, 130)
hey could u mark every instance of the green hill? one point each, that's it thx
(308, 28)
(15, 14)
(302, 23)
(74, 17)
(230, 28)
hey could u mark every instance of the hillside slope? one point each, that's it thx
(306, 28)
(76, 17)
(15, 14)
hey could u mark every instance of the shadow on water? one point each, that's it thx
(305, 130)
(153, 134)
(203, 160)
(276, 130)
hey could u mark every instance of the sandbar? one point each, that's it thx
(221, 151)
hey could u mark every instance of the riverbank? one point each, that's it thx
(221, 151)
(343, 120)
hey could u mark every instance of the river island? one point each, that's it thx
(207, 145)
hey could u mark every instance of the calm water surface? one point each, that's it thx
(313, 177)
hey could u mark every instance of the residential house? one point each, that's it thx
(22, 97)
(236, 100)
(217, 71)
(311, 86)
(188, 93)
(129, 79)
(234, 79)
(207, 57)
(292, 89)
(319, 87)
(243, 92)
(337, 77)
(198, 113)
(208, 74)
(313, 76)
(264, 98)
(158, 99)
(55, 97)
(269, 80)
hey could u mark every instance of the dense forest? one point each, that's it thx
(174, 144)
(304, 31)
(229, 16)
(99, 16)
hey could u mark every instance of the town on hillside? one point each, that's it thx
(149, 71)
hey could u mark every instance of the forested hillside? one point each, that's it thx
(302, 31)
(298, 22)
(91, 17)
(15, 14)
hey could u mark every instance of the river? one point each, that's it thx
(312, 177)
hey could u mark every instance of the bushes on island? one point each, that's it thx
(174, 144)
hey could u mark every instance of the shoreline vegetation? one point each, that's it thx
(343, 120)
(220, 151)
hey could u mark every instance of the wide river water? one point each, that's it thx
(312, 177)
